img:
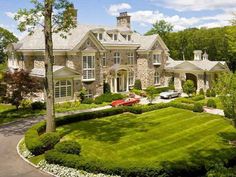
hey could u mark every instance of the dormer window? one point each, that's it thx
(99, 36)
(156, 58)
(115, 37)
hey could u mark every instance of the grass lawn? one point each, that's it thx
(151, 138)
(8, 113)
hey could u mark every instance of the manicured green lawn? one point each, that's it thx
(148, 139)
(8, 113)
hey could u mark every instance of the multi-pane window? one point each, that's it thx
(156, 58)
(115, 37)
(104, 60)
(100, 36)
(89, 94)
(131, 58)
(63, 88)
(156, 78)
(131, 78)
(88, 67)
(117, 58)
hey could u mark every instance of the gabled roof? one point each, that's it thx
(204, 65)
(40, 72)
(36, 40)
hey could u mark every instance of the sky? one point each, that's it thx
(181, 14)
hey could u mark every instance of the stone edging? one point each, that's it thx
(30, 163)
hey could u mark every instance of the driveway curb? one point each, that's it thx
(30, 163)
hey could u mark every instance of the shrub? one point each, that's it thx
(151, 93)
(68, 147)
(108, 97)
(32, 140)
(198, 98)
(138, 84)
(87, 101)
(25, 103)
(49, 140)
(106, 88)
(201, 92)
(38, 105)
(197, 107)
(208, 93)
(82, 94)
(213, 93)
(188, 87)
(211, 103)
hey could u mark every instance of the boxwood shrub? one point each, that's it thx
(198, 107)
(211, 103)
(198, 98)
(68, 147)
(108, 97)
(49, 140)
(32, 140)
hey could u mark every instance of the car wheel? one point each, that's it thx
(169, 97)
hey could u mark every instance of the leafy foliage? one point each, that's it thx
(201, 92)
(189, 87)
(6, 38)
(106, 88)
(211, 103)
(38, 105)
(138, 84)
(198, 107)
(20, 85)
(161, 27)
(68, 147)
(226, 89)
(49, 140)
(151, 93)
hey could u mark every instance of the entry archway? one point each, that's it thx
(192, 77)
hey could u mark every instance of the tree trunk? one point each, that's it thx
(48, 83)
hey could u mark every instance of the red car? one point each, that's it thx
(125, 102)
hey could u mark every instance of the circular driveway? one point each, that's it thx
(11, 165)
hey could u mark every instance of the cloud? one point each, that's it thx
(196, 5)
(115, 8)
(10, 14)
(150, 17)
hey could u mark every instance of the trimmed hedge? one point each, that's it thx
(198, 107)
(49, 140)
(211, 103)
(198, 98)
(32, 139)
(38, 105)
(87, 101)
(78, 162)
(35, 145)
(68, 147)
(108, 97)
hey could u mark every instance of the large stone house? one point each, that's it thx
(93, 54)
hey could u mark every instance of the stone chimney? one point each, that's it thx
(197, 55)
(123, 20)
(205, 56)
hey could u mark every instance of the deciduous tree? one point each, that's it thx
(151, 93)
(20, 85)
(54, 16)
(188, 87)
(226, 90)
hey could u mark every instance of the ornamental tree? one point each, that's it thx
(53, 16)
(20, 85)
(189, 87)
(151, 93)
(225, 87)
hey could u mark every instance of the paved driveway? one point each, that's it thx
(11, 165)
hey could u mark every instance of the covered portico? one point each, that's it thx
(119, 78)
(203, 73)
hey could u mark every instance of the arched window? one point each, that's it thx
(63, 88)
(156, 78)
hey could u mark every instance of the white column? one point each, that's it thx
(115, 83)
(127, 82)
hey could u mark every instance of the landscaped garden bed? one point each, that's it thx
(140, 141)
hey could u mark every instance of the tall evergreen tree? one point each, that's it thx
(55, 16)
